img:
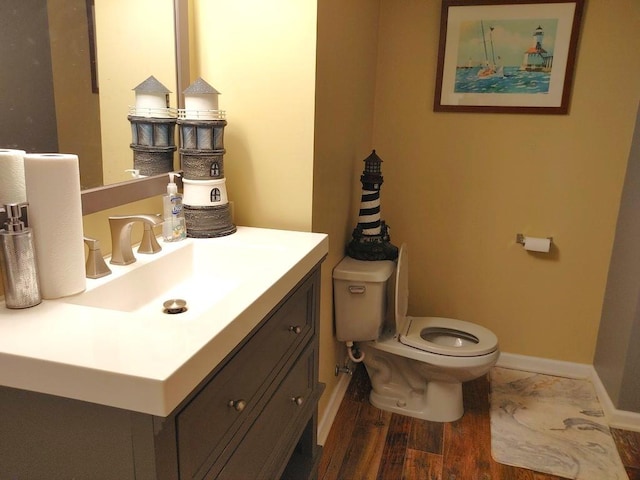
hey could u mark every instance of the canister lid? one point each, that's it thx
(364, 271)
(14, 211)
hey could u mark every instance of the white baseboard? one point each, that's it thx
(544, 366)
(621, 419)
(324, 424)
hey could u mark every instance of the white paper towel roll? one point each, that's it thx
(535, 244)
(12, 189)
(55, 214)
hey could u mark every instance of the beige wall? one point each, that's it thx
(261, 57)
(345, 86)
(77, 106)
(459, 187)
(134, 41)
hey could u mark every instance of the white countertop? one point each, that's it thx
(148, 361)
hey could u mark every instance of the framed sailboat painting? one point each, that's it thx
(507, 56)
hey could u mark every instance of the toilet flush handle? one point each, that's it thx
(357, 289)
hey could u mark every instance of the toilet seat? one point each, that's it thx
(448, 336)
(442, 336)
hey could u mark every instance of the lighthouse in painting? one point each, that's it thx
(536, 58)
(371, 240)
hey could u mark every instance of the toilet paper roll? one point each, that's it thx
(535, 244)
(55, 213)
(12, 189)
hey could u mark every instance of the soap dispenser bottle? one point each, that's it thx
(174, 227)
(18, 260)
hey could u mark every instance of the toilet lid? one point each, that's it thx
(444, 336)
(448, 336)
(401, 289)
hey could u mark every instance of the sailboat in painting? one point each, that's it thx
(489, 69)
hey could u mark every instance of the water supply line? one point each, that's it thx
(352, 356)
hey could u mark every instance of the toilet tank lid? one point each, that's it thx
(364, 271)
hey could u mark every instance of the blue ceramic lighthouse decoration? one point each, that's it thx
(206, 206)
(153, 125)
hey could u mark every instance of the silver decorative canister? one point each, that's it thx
(18, 260)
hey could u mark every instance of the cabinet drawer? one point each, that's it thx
(210, 420)
(266, 434)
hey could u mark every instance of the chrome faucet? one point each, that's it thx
(121, 251)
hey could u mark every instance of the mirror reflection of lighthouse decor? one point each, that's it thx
(153, 125)
(206, 206)
(370, 239)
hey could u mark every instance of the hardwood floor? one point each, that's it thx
(368, 443)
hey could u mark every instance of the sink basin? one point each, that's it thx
(113, 344)
(199, 272)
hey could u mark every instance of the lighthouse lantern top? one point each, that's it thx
(373, 163)
(152, 99)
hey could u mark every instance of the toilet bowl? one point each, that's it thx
(416, 364)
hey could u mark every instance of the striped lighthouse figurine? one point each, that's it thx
(370, 239)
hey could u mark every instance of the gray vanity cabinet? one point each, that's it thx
(254, 416)
(258, 404)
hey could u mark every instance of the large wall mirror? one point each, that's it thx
(70, 67)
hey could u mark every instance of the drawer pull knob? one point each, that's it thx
(295, 329)
(297, 400)
(238, 405)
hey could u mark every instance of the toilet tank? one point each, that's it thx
(360, 298)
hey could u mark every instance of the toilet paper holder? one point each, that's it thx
(520, 238)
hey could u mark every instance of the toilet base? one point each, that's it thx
(442, 402)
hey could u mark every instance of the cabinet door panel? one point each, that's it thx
(214, 416)
(266, 434)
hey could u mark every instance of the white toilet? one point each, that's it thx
(416, 364)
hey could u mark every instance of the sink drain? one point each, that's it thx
(175, 305)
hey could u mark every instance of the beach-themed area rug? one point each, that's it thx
(550, 424)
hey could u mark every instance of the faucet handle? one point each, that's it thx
(95, 267)
(149, 243)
